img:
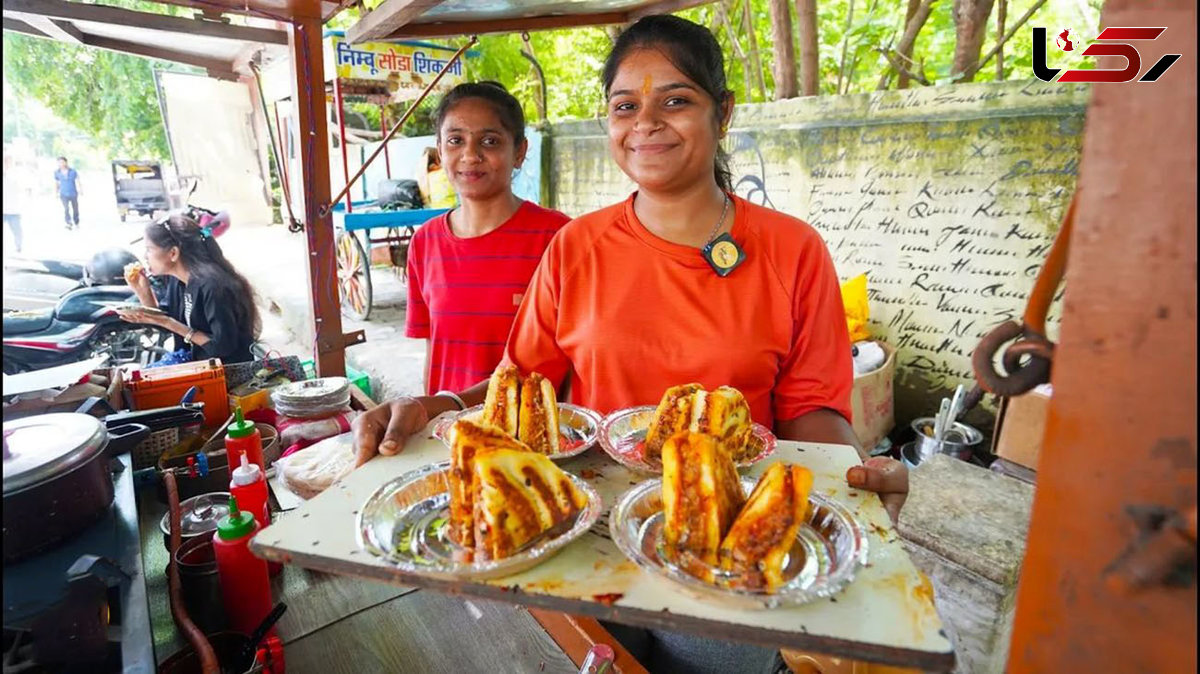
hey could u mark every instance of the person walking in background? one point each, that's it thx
(66, 185)
(14, 200)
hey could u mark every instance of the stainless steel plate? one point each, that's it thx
(623, 435)
(578, 426)
(829, 549)
(405, 522)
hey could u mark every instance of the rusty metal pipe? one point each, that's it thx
(204, 650)
(1029, 337)
(1050, 276)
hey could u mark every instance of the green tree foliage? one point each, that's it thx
(112, 97)
(109, 96)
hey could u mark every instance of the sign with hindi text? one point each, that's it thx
(403, 68)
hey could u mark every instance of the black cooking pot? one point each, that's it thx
(57, 480)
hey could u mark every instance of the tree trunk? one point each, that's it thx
(970, 28)
(755, 56)
(1001, 15)
(783, 49)
(810, 61)
(907, 40)
(723, 11)
(845, 46)
(913, 5)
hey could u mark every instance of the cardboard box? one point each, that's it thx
(871, 401)
(73, 396)
(1020, 425)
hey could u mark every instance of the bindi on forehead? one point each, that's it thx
(647, 85)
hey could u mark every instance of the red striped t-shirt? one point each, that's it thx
(464, 293)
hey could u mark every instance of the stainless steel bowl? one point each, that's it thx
(405, 521)
(578, 426)
(959, 441)
(623, 435)
(830, 547)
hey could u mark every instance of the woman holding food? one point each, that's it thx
(206, 302)
(468, 269)
(682, 282)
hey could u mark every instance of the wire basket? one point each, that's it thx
(147, 452)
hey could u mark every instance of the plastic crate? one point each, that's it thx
(165, 386)
(359, 379)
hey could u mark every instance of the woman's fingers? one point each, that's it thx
(880, 474)
(407, 418)
(368, 431)
(384, 429)
(884, 476)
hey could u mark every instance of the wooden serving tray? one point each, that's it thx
(886, 615)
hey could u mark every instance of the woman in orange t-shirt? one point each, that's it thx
(682, 281)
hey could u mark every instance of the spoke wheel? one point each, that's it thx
(354, 277)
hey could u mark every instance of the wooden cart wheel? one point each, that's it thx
(354, 277)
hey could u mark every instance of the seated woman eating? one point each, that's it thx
(206, 302)
(681, 282)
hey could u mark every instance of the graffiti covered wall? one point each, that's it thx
(948, 198)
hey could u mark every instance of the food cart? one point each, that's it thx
(378, 73)
(1098, 553)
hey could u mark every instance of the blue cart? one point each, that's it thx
(354, 260)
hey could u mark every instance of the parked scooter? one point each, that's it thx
(83, 322)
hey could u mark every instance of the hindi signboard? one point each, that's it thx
(403, 68)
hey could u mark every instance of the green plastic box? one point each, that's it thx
(359, 379)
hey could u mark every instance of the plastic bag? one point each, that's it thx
(854, 299)
(312, 470)
(434, 184)
(441, 192)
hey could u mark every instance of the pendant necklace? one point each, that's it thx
(721, 252)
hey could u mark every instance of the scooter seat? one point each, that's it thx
(25, 322)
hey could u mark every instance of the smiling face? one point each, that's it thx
(663, 128)
(477, 152)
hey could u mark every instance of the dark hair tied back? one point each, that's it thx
(204, 259)
(505, 105)
(693, 50)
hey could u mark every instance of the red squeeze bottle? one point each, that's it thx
(242, 437)
(249, 486)
(245, 587)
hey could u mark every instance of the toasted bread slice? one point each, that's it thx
(701, 494)
(724, 414)
(539, 415)
(519, 495)
(671, 416)
(501, 407)
(764, 532)
(470, 438)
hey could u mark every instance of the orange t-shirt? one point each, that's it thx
(626, 315)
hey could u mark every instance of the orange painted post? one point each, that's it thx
(1108, 583)
(304, 39)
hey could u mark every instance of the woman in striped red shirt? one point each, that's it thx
(468, 269)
